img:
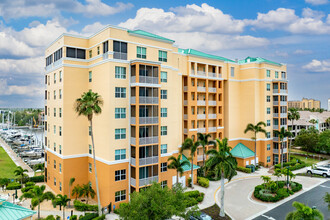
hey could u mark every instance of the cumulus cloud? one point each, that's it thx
(26, 90)
(10, 46)
(302, 52)
(319, 66)
(92, 28)
(317, 2)
(29, 66)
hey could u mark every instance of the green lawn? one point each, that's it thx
(7, 166)
(308, 160)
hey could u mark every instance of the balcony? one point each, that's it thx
(185, 116)
(201, 73)
(201, 116)
(284, 115)
(275, 102)
(275, 151)
(185, 102)
(119, 55)
(200, 102)
(133, 100)
(58, 62)
(133, 140)
(185, 130)
(212, 89)
(201, 130)
(284, 103)
(212, 129)
(275, 127)
(148, 160)
(212, 116)
(148, 140)
(148, 79)
(148, 120)
(133, 182)
(275, 115)
(213, 103)
(105, 56)
(133, 120)
(201, 89)
(133, 161)
(148, 100)
(220, 75)
(193, 72)
(147, 181)
(275, 91)
(200, 157)
(285, 150)
(185, 88)
(212, 74)
(276, 138)
(285, 91)
(283, 126)
(133, 79)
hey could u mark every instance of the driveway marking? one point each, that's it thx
(325, 186)
(268, 217)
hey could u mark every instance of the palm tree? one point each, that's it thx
(327, 199)
(77, 191)
(327, 121)
(189, 144)
(37, 196)
(62, 201)
(89, 104)
(20, 172)
(266, 180)
(70, 184)
(313, 121)
(293, 116)
(304, 212)
(223, 163)
(256, 129)
(203, 140)
(282, 134)
(87, 191)
(177, 164)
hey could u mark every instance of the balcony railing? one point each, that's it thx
(275, 151)
(105, 56)
(148, 79)
(148, 100)
(185, 116)
(185, 102)
(201, 102)
(201, 116)
(148, 160)
(185, 88)
(285, 150)
(200, 157)
(133, 140)
(212, 129)
(284, 115)
(133, 79)
(212, 116)
(275, 90)
(275, 127)
(220, 75)
(201, 73)
(120, 55)
(201, 89)
(133, 182)
(185, 130)
(276, 139)
(284, 103)
(147, 181)
(275, 102)
(148, 120)
(275, 115)
(133, 100)
(201, 130)
(283, 126)
(212, 74)
(148, 140)
(212, 102)
(133, 161)
(212, 89)
(192, 72)
(133, 120)
(284, 91)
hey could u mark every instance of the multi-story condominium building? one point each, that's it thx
(305, 103)
(155, 95)
(305, 122)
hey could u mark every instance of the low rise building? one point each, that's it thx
(305, 103)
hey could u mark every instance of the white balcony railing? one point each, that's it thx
(148, 100)
(275, 115)
(283, 126)
(275, 151)
(284, 150)
(133, 79)
(148, 140)
(105, 56)
(201, 116)
(133, 120)
(148, 120)
(284, 115)
(193, 72)
(200, 157)
(148, 160)
(185, 130)
(211, 74)
(220, 75)
(212, 89)
(185, 116)
(284, 91)
(275, 90)
(133, 140)
(201, 89)
(119, 55)
(185, 88)
(275, 127)
(212, 116)
(201, 130)
(284, 103)
(185, 102)
(201, 73)
(212, 102)
(212, 129)
(133, 182)
(147, 181)
(148, 79)
(133, 161)
(201, 102)
(276, 139)
(133, 100)
(275, 102)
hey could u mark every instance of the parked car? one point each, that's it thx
(202, 216)
(325, 172)
(326, 165)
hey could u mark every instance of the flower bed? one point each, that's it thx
(276, 192)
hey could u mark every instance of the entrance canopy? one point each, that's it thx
(242, 151)
(11, 211)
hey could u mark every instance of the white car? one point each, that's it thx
(325, 172)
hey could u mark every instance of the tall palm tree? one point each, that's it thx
(77, 191)
(313, 121)
(37, 196)
(70, 184)
(87, 191)
(256, 129)
(282, 134)
(177, 164)
(62, 201)
(222, 162)
(87, 105)
(203, 139)
(189, 144)
(293, 116)
(304, 212)
(20, 172)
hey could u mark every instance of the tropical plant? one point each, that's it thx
(177, 164)
(304, 212)
(20, 172)
(313, 121)
(192, 146)
(62, 201)
(278, 174)
(327, 121)
(282, 134)
(87, 191)
(224, 164)
(327, 199)
(77, 191)
(70, 184)
(293, 115)
(204, 141)
(266, 180)
(87, 105)
(37, 195)
(256, 129)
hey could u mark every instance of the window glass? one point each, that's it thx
(120, 133)
(163, 76)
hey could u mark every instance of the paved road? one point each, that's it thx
(313, 197)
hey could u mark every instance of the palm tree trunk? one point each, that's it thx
(204, 161)
(222, 199)
(96, 180)
(63, 213)
(177, 177)
(192, 171)
(281, 156)
(39, 211)
(255, 149)
(290, 143)
(69, 196)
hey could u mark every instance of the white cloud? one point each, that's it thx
(26, 90)
(317, 2)
(98, 8)
(10, 46)
(318, 66)
(92, 28)
(29, 66)
(281, 54)
(302, 52)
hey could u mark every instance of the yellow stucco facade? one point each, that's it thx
(155, 95)
(305, 103)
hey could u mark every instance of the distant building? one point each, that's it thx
(305, 103)
(304, 121)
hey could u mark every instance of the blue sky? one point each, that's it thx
(293, 32)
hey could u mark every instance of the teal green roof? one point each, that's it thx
(14, 212)
(147, 34)
(202, 54)
(257, 60)
(242, 151)
(188, 167)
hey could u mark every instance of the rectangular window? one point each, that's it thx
(60, 76)
(268, 122)
(60, 93)
(163, 167)
(163, 76)
(90, 149)
(268, 146)
(268, 98)
(120, 154)
(58, 54)
(120, 196)
(120, 50)
(49, 60)
(268, 86)
(54, 164)
(105, 47)
(60, 186)
(54, 129)
(120, 175)
(141, 52)
(60, 130)
(268, 159)
(163, 148)
(163, 94)
(162, 56)
(54, 146)
(268, 111)
(163, 130)
(75, 53)
(90, 54)
(163, 112)
(90, 76)
(98, 50)
(276, 74)
(268, 73)
(120, 112)
(60, 149)
(120, 133)
(54, 78)
(54, 112)
(268, 135)
(60, 112)
(120, 72)
(89, 130)
(54, 181)
(232, 71)
(283, 75)
(163, 184)
(54, 94)
(60, 168)
(90, 167)
(120, 92)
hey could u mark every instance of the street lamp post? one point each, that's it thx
(287, 178)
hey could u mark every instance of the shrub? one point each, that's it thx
(30, 184)
(203, 182)
(282, 193)
(243, 169)
(102, 217)
(50, 217)
(193, 194)
(296, 187)
(189, 181)
(73, 217)
(121, 205)
(37, 179)
(264, 192)
(280, 184)
(89, 216)
(193, 198)
(25, 189)
(13, 185)
(79, 206)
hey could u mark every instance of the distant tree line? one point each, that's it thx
(23, 117)
(313, 141)
(311, 109)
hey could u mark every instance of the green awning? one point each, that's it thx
(14, 212)
(242, 151)
(258, 60)
(149, 35)
(188, 167)
(202, 54)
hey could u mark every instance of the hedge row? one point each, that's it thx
(295, 164)
(203, 182)
(34, 179)
(243, 169)
(13, 185)
(193, 198)
(89, 216)
(79, 206)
